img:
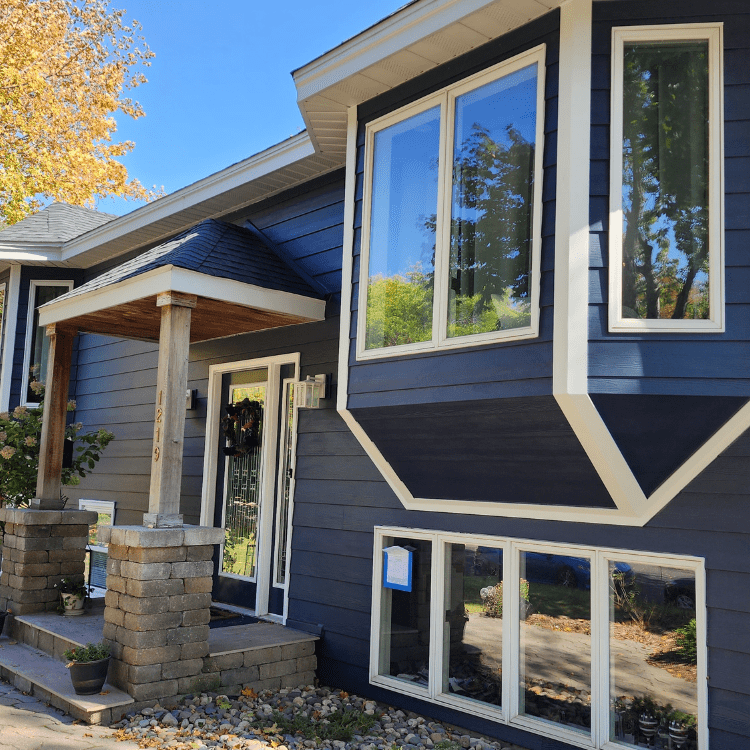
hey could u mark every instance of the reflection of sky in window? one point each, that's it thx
(509, 102)
(404, 195)
(506, 104)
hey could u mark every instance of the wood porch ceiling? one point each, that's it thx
(210, 319)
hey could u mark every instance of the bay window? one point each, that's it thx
(452, 215)
(595, 647)
(666, 234)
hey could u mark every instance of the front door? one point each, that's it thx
(254, 484)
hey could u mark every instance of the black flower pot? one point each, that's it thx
(88, 677)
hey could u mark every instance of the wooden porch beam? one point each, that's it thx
(54, 418)
(169, 417)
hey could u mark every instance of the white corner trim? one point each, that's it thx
(171, 278)
(570, 343)
(10, 313)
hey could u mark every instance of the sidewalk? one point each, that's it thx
(28, 724)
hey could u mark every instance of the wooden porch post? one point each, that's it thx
(169, 418)
(53, 420)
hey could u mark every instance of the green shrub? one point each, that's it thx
(687, 642)
(20, 435)
(89, 652)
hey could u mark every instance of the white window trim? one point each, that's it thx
(600, 636)
(445, 98)
(713, 34)
(30, 332)
(98, 506)
(285, 384)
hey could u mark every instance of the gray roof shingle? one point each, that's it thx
(214, 248)
(57, 223)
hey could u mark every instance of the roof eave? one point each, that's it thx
(415, 39)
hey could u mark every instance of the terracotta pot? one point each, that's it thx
(89, 677)
(72, 604)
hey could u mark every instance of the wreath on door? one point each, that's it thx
(241, 427)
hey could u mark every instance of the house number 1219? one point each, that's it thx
(159, 415)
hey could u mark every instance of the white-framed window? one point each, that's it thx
(451, 226)
(96, 574)
(37, 342)
(666, 231)
(577, 643)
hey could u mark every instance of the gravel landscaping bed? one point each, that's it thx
(305, 717)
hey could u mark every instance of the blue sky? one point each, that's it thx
(219, 88)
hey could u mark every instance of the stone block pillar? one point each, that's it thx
(157, 607)
(40, 548)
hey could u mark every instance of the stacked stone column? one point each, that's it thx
(157, 607)
(40, 548)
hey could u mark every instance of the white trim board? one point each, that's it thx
(174, 279)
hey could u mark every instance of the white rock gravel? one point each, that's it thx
(257, 721)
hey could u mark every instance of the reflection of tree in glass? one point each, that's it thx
(491, 222)
(665, 176)
(399, 309)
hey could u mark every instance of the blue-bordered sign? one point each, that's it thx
(397, 568)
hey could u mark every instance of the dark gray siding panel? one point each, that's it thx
(307, 226)
(707, 364)
(510, 369)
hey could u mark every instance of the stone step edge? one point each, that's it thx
(38, 674)
(262, 646)
(23, 619)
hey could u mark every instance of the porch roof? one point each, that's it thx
(241, 285)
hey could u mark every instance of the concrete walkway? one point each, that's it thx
(28, 724)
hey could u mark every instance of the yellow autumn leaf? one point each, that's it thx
(65, 69)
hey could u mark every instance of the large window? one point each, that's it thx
(452, 215)
(37, 341)
(666, 270)
(595, 647)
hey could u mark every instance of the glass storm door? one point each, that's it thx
(254, 486)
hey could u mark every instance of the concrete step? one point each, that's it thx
(47, 679)
(53, 633)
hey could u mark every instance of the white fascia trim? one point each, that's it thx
(31, 252)
(392, 35)
(9, 335)
(272, 159)
(173, 279)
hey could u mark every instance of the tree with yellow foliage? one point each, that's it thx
(65, 66)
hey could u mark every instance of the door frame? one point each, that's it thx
(265, 566)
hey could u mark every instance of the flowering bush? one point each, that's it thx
(20, 434)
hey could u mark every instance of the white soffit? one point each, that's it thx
(412, 41)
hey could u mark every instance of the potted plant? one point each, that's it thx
(88, 667)
(72, 596)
